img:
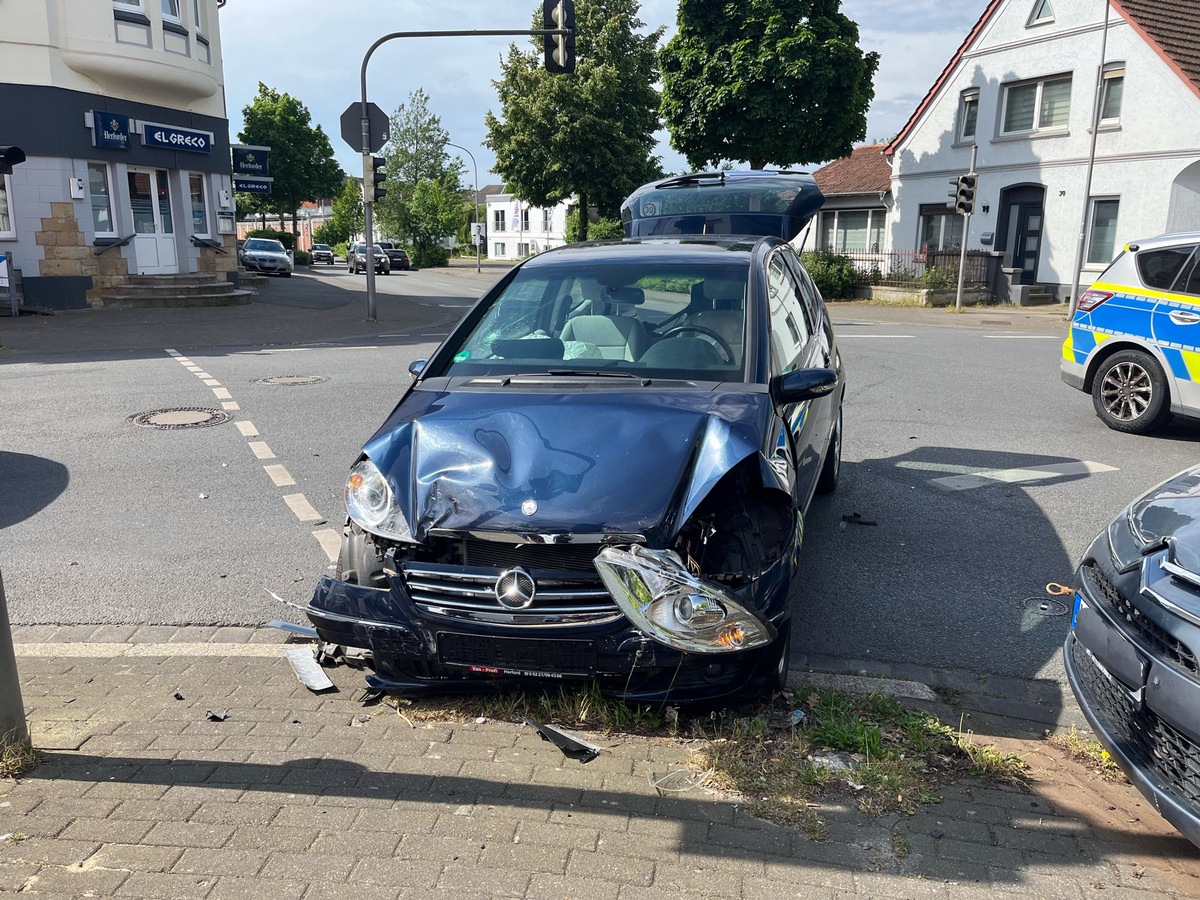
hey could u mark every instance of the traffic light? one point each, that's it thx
(373, 176)
(964, 195)
(9, 157)
(559, 48)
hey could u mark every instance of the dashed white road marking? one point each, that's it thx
(1023, 337)
(174, 353)
(261, 450)
(1020, 476)
(222, 394)
(212, 382)
(843, 337)
(331, 542)
(279, 475)
(304, 510)
(229, 404)
(202, 375)
(193, 368)
(247, 428)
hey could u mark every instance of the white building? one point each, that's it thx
(1022, 88)
(119, 107)
(516, 229)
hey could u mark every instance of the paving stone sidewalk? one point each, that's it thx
(297, 795)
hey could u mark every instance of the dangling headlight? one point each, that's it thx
(370, 503)
(676, 608)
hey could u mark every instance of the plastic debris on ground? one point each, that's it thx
(834, 762)
(304, 664)
(217, 715)
(678, 781)
(178, 695)
(856, 519)
(571, 746)
(370, 697)
(306, 631)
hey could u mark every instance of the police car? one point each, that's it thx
(1134, 342)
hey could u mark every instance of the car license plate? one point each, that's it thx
(518, 657)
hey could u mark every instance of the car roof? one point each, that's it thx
(712, 250)
(1170, 239)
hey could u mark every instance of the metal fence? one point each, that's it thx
(915, 269)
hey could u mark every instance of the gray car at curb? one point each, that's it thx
(267, 256)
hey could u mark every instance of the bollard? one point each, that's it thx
(13, 730)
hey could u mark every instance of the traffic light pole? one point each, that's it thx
(962, 257)
(369, 190)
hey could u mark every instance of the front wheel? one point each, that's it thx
(832, 470)
(781, 658)
(1130, 392)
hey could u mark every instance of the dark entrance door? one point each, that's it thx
(1022, 222)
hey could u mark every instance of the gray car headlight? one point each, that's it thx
(370, 503)
(658, 594)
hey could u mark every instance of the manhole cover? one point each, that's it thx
(180, 417)
(1045, 606)
(292, 379)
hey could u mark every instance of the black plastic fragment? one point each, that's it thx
(217, 715)
(570, 745)
(856, 519)
(371, 697)
(178, 695)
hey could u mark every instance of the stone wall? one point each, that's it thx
(221, 264)
(68, 254)
(920, 296)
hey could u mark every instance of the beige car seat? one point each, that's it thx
(618, 336)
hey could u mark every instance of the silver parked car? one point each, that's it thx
(267, 256)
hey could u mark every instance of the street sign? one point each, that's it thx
(352, 127)
(3, 271)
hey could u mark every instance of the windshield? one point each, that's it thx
(645, 320)
(264, 244)
(320, 246)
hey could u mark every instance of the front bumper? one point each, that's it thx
(267, 265)
(418, 652)
(1129, 663)
(1073, 374)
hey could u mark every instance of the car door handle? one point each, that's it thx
(1182, 317)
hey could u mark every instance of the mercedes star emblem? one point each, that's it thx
(529, 507)
(515, 589)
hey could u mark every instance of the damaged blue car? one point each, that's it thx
(600, 477)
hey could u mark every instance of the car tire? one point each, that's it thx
(287, 274)
(780, 657)
(1130, 392)
(827, 482)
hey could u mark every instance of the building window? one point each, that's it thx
(500, 250)
(1042, 13)
(968, 114)
(170, 10)
(199, 210)
(1102, 232)
(852, 229)
(547, 219)
(1037, 105)
(1112, 90)
(198, 18)
(498, 222)
(128, 5)
(522, 249)
(7, 229)
(101, 199)
(941, 229)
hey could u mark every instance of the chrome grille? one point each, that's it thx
(562, 597)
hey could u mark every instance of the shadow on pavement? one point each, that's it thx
(28, 484)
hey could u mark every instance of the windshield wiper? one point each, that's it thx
(595, 373)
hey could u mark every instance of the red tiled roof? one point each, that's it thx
(1164, 24)
(864, 171)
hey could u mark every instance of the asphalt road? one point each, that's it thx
(102, 521)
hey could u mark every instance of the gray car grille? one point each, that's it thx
(562, 597)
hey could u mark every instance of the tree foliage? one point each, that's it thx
(589, 133)
(302, 163)
(766, 81)
(433, 214)
(415, 153)
(347, 218)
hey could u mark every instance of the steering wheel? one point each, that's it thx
(721, 343)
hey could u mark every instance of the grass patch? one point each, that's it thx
(17, 756)
(1091, 753)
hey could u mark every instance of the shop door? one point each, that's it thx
(153, 224)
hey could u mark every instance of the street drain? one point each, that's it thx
(1045, 606)
(292, 379)
(180, 417)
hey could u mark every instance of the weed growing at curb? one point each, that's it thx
(786, 758)
(1090, 752)
(17, 756)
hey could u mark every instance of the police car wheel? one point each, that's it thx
(1130, 393)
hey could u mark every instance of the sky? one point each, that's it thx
(313, 50)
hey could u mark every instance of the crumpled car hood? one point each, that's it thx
(1172, 510)
(624, 462)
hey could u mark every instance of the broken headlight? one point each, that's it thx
(676, 608)
(370, 503)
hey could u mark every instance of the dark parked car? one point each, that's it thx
(356, 259)
(397, 256)
(601, 475)
(322, 253)
(1131, 654)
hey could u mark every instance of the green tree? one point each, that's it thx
(589, 133)
(415, 152)
(433, 214)
(766, 81)
(302, 163)
(347, 212)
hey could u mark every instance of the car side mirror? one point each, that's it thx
(803, 384)
(416, 367)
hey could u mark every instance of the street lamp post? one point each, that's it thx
(479, 241)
